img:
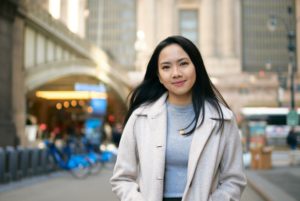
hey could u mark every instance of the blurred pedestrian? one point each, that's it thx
(180, 140)
(107, 133)
(117, 133)
(292, 139)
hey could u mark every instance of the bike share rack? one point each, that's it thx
(20, 162)
(2, 164)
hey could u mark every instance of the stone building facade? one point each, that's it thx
(216, 26)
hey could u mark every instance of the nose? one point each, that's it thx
(176, 72)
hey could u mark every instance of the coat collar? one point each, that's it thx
(155, 109)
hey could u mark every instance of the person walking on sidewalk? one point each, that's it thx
(181, 140)
(292, 139)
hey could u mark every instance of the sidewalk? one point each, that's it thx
(60, 186)
(281, 183)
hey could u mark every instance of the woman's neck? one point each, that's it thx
(180, 101)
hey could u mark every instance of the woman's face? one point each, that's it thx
(177, 73)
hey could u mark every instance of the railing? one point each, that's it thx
(20, 162)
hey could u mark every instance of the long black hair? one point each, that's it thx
(203, 90)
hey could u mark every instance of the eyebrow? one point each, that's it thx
(179, 60)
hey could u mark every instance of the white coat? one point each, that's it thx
(215, 167)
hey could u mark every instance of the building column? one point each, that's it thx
(297, 4)
(18, 80)
(146, 26)
(207, 28)
(227, 28)
(8, 11)
(146, 20)
(165, 15)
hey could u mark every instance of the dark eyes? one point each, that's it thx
(165, 67)
(183, 63)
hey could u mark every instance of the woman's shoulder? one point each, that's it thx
(143, 110)
(137, 115)
(151, 108)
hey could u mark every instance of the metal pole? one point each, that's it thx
(292, 88)
(292, 48)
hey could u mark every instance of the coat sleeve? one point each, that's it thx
(123, 181)
(232, 179)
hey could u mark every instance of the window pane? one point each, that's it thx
(264, 49)
(114, 28)
(188, 24)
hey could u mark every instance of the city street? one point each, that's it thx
(62, 186)
(74, 73)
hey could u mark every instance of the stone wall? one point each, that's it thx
(8, 12)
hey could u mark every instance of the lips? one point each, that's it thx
(178, 83)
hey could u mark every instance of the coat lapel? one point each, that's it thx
(200, 138)
(158, 124)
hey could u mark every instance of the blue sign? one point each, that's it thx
(99, 106)
(93, 131)
(93, 123)
(90, 87)
(292, 118)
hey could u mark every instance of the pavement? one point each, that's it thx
(281, 182)
(62, 186)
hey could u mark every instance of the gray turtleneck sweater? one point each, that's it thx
(177, 150)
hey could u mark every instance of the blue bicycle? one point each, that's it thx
(76, 164)
(92, 157)
(106, 156)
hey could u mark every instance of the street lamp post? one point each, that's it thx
(292, 117)
(292, 65)
(272, 25)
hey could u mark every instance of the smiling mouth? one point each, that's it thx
(179, 83)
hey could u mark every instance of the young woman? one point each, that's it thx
(180, 140)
